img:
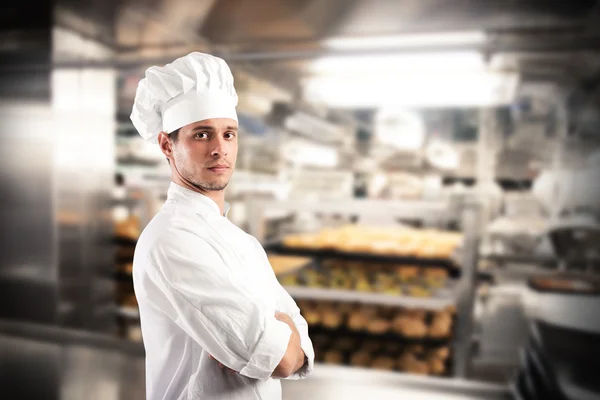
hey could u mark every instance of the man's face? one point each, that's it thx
(205, 153)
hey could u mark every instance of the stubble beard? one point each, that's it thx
(205, 186)
(198, 184)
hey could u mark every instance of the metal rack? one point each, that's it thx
(431, 214)
(427, 303)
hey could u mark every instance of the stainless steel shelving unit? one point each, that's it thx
(432, 213)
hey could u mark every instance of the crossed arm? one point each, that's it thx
(294, 357)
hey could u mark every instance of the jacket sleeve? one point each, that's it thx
(287, 305)
(188, 280)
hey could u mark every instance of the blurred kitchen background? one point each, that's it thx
(422, 173)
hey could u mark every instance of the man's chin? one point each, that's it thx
(214, 187)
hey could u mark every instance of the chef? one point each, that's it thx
(215, 322)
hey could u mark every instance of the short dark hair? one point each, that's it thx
(174, 135)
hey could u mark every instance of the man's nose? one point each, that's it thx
(219, 149)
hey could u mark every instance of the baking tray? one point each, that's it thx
(450, 265)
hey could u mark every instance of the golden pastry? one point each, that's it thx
(393, 291)
(435, 273)
(441, 353)
(289, 280)
(410, 327)
(409, 363)
(436, 277)
(442, 317)
(416, 329)
(439, 330)
(293, 241)
(427, 251)
(416, 313)
(361, 359)
(399, 322)
(333, 357)
(419, 368)
(450, 309)
(127, 268)
(128, 229)
(357, 321)
(345, 308)
(407, 273)
(384, 247)
(378, 326)
(407, 247)
(383, 362)
(327, 239)
(354, 245)
(418, 291)
(436, 366)
(369, 311)
(441, 325)
(362, 285)
(312, 317)
(331, 319)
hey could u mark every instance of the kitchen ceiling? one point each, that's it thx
(549, 41)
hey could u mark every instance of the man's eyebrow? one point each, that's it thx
(211, 128)
(203, 128)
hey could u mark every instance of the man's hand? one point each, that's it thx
(294, 357)
(283, 317)
(221, 366)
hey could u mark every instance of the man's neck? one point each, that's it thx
(218, 196)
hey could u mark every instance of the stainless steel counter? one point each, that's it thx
(49, 363)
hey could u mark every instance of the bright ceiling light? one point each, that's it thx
(469, 38)
(399, 128)
(474, 89)
(374, 64)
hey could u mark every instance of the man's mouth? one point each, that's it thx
(219, 168)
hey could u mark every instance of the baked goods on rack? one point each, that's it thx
(383, 362)
(408, 362)
(331, 318)
(411, 340)
(378, 326)
(361, 358)
(399, 241)
(441, 325)
(391, 279)
(357, 321)
(333, 357)
(128, 229)
(286, 264)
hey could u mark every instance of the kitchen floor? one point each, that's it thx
(31, 369)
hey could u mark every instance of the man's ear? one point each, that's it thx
(165, 144)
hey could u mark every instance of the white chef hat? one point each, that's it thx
(190, 89)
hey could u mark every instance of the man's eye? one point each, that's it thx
(229, 135)
(201, 135)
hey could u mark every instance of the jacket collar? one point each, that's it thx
(195, 200)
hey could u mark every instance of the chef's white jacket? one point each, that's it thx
(204, 287)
